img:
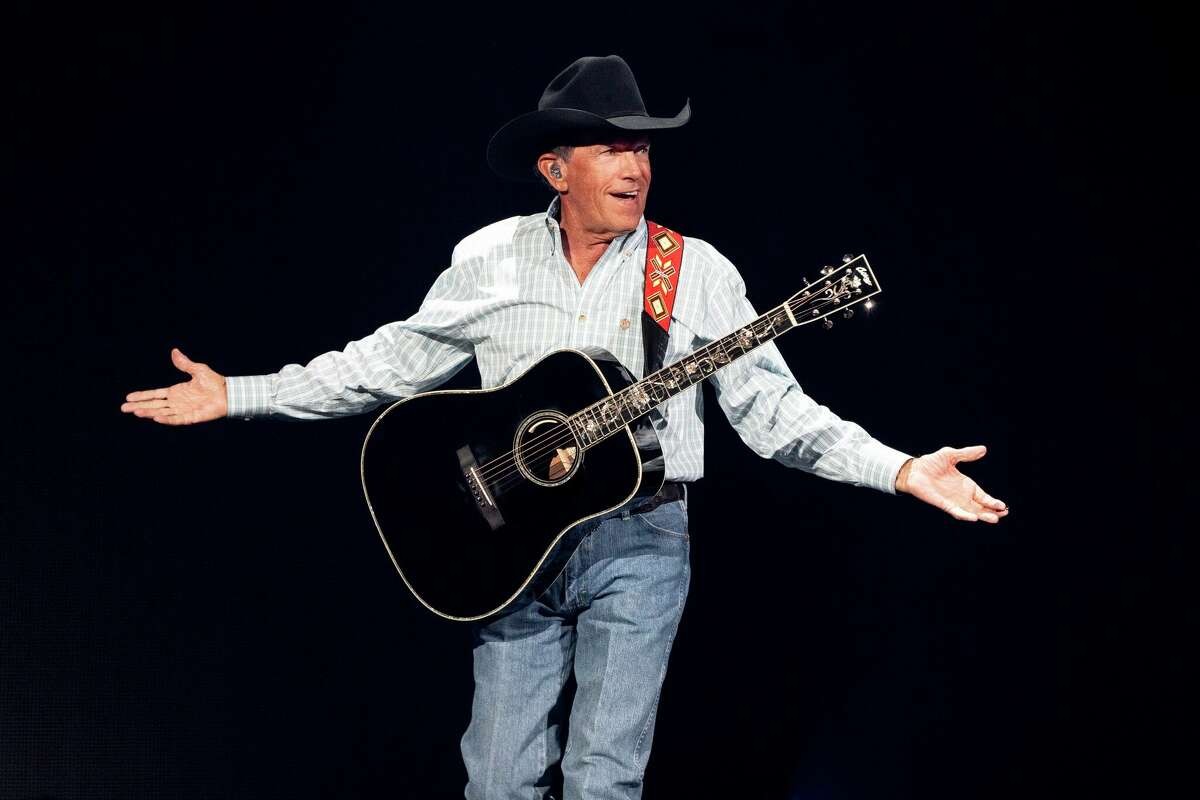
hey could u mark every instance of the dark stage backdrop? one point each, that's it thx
(207, 611)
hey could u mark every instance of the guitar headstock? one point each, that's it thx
(835, 291)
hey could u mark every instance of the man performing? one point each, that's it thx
(575, 276)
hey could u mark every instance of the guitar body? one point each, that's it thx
(473, 491)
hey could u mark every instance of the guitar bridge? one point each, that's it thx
(485, 502)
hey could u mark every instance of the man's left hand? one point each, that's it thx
(935, 479)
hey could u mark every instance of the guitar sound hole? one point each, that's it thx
(546, 449)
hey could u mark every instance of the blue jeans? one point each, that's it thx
(610, 618)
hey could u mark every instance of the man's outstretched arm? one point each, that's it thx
(777, 419)
(398, 360)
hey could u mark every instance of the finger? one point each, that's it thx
(958, 512)
(183, 362)
(144, 404)
(986, 513)
(154, 412)
(983, 498)
(148, 394)
(973, 453)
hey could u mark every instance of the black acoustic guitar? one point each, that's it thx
(499, 476)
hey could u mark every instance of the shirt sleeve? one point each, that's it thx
(773, 415)
(398, 360)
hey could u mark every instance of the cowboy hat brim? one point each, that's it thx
(512, 151)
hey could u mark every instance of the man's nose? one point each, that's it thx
(630, 168)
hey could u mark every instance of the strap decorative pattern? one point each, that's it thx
(664, 259)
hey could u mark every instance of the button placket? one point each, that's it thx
(599, 277)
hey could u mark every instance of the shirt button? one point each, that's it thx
(624, 324)
(583, 317)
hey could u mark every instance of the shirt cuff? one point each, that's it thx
(881, 465)
(248, 396)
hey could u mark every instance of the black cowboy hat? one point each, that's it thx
(594, 96)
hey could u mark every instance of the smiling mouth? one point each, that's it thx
(628, 196)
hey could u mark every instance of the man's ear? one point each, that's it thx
(548, 164)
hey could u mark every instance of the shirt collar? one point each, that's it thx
(626, 242)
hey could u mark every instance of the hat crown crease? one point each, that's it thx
(602, 86)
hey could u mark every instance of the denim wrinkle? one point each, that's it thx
(604, 619)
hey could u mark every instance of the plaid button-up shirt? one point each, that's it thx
(509, 297)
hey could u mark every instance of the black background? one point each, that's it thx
(206, 611)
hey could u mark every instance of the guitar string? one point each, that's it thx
(762, 324)
(499, 469)
(499, 480)
(537, 447)
(510, 477)
(529, 453)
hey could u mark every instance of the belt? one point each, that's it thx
(670, 491)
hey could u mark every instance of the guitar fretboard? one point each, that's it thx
(835, 292)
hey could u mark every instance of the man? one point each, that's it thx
(574, 277)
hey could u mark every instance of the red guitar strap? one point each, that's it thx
(664, 259)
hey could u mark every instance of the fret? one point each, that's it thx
(602, 420)
(606, 417)
(781, 319)
(744, 339)
(598, 418)
(724, 357)
(656, 390)
(624, 407)
(603, 427)
(614, 413)
(588, 425)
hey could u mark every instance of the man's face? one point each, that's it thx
(607, 185)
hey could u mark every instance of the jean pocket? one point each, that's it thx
(669, 519)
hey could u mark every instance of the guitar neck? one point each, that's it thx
(836, 291)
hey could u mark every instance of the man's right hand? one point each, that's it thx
(197, 400)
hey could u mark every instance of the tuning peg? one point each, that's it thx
(826, 270)
(848, 313)
(846, 259)
(827, 322)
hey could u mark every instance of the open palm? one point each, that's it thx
(935, 479)
(200, 399)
